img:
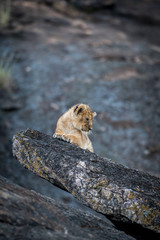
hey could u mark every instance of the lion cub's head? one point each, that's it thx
(83, 117)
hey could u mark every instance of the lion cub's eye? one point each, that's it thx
(87, 119)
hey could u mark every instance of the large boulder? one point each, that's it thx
(25, 214)
(123, 194)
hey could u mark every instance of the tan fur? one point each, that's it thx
(73, 126)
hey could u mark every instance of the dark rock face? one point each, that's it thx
(83, 4)
(144, 10)
(92, 4)
(25, 214)
(124, 194)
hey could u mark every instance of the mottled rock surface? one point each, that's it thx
(124, 194)
(25, 214)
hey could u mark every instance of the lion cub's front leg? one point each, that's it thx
(73, 139)
(61, 135)
(77, 141)
(67, 137)
(90, 148)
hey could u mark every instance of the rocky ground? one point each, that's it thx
(108, 59)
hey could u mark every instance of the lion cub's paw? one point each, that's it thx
(66, 139)
(63, 137)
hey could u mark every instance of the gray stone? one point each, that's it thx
(25, 214)
(124, 194)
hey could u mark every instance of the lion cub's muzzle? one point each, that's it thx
(87, 128)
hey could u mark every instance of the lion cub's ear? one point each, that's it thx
(78, 109)
(94, 114)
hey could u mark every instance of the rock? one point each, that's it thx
(76, 8)
(92, 4)
(83, 4)
(57, 21)
(11, 106)
(144, 11)
(9, 102)
(124, 194)
(25, 214)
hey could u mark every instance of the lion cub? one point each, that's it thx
(73, 126)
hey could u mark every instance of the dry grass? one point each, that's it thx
(5, 13)
(6, 72)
